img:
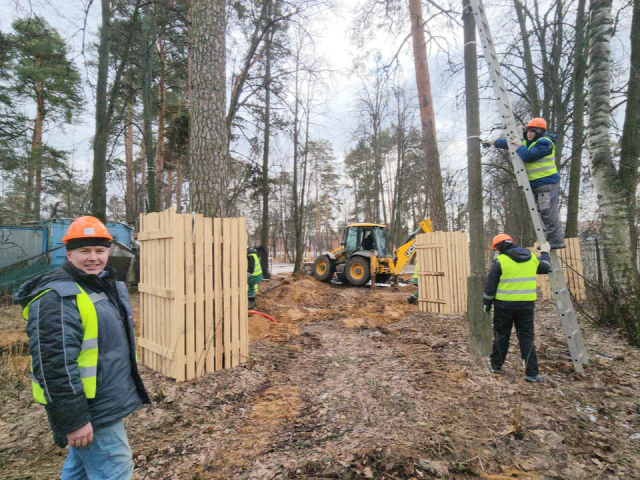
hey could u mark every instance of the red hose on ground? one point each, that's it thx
(263, 314)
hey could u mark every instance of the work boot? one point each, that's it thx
(534, 378)
(252, 302)
(411, 300)
(495, 370)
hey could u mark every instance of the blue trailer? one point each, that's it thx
(36, 247)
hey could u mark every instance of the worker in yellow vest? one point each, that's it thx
(414, 298)
(537, 150)
(83, 354)
(511, 288)
(254, 275)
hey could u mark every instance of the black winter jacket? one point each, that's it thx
(55, 339)
(517, 254)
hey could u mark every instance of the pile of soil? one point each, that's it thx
(356, 383)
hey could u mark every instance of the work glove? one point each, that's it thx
(545, 247)
(487, 143)
(515, 141)
(487, 309)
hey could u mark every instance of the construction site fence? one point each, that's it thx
(443, 270)
(193, 293)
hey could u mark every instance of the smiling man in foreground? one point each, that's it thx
(83, 355)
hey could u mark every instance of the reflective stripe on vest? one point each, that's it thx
(88, 358)
(518, 280)
(415, 272)
(544, 167)
(257, 268)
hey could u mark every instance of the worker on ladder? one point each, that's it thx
(538, 152)
(511, 287)
(254, 275)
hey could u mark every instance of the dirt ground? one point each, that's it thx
(356, 383)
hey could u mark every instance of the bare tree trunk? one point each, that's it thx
(179, 189)
(479, 322)
(36, 153)
(297, 224)
(577, 139)
(99, 179)
(630, 141)
(264, 226)
(208, 134)
(146, 79)
(435, 197)
(623, 274)
(131, 214)
(160, 153)
(532, 89)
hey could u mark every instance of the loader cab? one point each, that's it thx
(365, 237)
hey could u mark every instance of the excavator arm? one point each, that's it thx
(408, 248)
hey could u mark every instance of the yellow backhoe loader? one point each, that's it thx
(364, 255)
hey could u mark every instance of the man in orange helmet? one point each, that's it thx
(511, 288)
(538, 152)
(83, 354)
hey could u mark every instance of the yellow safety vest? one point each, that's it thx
(257, 268)
(518, 280)
(88, 358)
(415, 272)
(544, 167)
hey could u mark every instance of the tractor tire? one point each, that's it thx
(357, 271)
(324, 268)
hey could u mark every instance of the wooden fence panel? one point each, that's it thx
(443, 269)
(571, 260)
(193, 294)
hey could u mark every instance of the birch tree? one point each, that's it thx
(607, 180)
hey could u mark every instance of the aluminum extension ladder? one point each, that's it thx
(559, 288)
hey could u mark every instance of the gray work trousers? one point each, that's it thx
(546, 198)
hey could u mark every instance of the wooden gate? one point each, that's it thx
(443, 269)
(193, 293)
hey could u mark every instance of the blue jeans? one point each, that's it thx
(107, 457)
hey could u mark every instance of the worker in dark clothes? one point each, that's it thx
(254, 275)
(511, 288)
(537, 150)
(83, 355)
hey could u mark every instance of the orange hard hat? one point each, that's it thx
(538, 123)
(86, 228)
(499, 239)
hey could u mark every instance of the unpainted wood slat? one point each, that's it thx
(209, 296)
(200, 331)
(155, 235)
(218, 293)
(190, 330)
(177, 328)
(142, 353)
(153, 225)
(244, 301)
(235, 293)
(226, 290)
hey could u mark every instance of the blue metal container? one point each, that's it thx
(21, 243)
(58, 227)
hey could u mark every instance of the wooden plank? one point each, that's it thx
(189, 294)
(431, 245)
(209, 296)
(235, 293)
(218, 296)
(161, 279)
(157, 349)
(144, 328)
(157, 291)
(155, 235)
(153, 224)
(200, 331)
(166, 311)
(244, 287)
(433, 300)
(226, 290)
(177, 339)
